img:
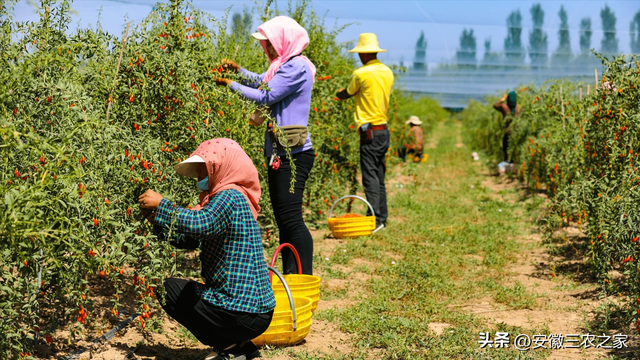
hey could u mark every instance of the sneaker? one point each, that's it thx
(214, 355)
(225, 356)
(380, 227)
(245, 351)
(250, 350)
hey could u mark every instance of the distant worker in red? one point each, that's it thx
(416, 146)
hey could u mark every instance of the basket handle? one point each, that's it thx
(275, 256)
(286, 288)
(352, 196)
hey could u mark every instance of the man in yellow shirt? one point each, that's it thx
(372, 85)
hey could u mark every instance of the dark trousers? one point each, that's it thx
(212, 325)
(373, 165)
(287, 208)
(505, 146)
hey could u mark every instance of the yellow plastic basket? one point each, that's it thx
(351, 227)
(291, 320)
(299, 284)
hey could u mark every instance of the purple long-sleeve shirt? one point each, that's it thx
(289, 97)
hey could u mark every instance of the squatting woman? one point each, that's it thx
(235, 303)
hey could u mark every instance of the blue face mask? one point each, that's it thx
(203, 185)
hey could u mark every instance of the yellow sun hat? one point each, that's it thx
(367, 43)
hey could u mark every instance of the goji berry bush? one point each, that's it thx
(89, 121)
(583, 152)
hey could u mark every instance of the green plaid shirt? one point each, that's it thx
(233, 265)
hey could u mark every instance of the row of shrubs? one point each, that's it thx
(89, 121)
(582, 149)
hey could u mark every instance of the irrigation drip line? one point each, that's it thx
(130, 354)
(106, 337)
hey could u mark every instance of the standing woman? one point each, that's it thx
(235, 303)
(290, 80)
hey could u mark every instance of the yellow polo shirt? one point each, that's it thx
(372, 85)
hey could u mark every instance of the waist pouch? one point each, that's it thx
(366, 134)
(294, 136)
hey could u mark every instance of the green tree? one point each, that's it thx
(490, 59)
(513, 44)
(586, 59)
(537, 38)
(609, 44)
(563, 53)
(585, 35)
(241, 24)
(420, 60)
(634, 31)
(466, 55)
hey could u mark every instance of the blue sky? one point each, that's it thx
(397, 23)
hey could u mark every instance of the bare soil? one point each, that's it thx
(563, 303)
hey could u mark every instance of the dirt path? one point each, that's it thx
(562, 305)
(544, 285)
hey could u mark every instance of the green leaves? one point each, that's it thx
(163, 103)
(583, 152)
(9, 198)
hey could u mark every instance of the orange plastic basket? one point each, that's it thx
(353, 226)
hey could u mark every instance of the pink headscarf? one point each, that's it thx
(229, 167)
(288, 38)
